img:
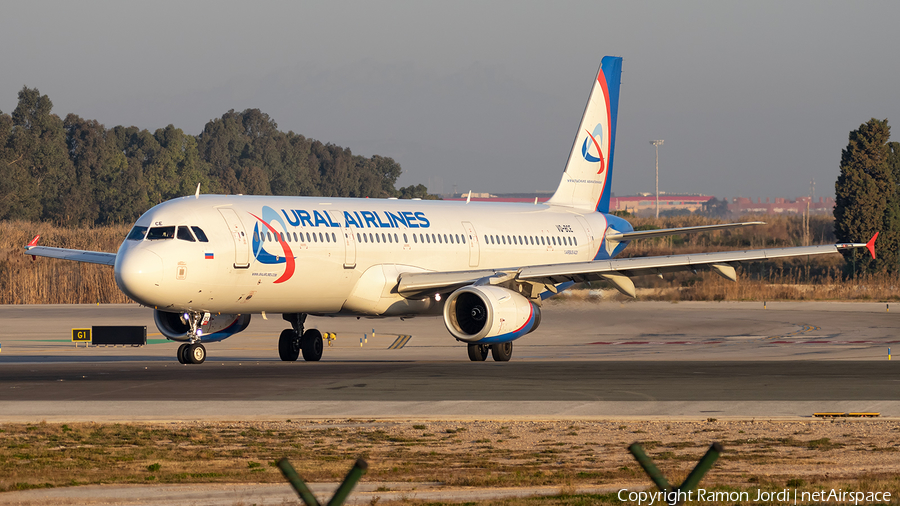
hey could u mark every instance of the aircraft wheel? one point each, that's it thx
(312, 346)
(196, 353)
(478, 352)
(181, 354)
(288, 350)
(501, 352)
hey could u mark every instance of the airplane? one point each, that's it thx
(206, 263)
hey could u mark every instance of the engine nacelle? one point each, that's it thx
(489, 314)
(220, 326)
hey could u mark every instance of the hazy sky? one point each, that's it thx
(753, 99)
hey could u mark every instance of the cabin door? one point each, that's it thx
(241, 244)
(474, 250)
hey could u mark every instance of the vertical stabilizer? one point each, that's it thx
(587, 179)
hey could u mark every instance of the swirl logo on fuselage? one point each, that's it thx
(262, 255)
(594, 139)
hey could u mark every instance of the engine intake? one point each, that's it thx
(175, 327)
(489, 314)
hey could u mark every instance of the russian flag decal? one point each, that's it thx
(208, 255)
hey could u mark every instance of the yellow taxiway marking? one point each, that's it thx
(400, 342)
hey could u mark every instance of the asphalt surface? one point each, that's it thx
(609, 360)
(463, 381)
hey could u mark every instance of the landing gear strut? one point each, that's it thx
(192, 352)
(294, 340)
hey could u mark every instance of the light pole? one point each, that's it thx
(657, 144)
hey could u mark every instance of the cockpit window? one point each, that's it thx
(200, 235)
(137, 234)
(184, 234)
(157, 233)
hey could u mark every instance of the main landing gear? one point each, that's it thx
(501, 352)
(192, 352)
(294, 340)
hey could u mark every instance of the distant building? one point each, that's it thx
(645, 203)
(743, 205)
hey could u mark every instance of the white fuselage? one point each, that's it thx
(347, 253)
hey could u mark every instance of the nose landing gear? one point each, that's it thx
(294, 340)
(193, 352)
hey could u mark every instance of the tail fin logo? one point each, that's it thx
(592, 140)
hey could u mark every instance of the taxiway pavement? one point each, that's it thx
(587, 360)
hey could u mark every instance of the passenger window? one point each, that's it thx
(333, 237)
(504, 239)
(428, 238)
(184, 234)
(137, 234)
(295, 237)
(405, 239)
(554, 241)
(397, 239)
(158, 233)
(281, 235)
(575, 240)
(415, 240)
(365, 238)
(542, 241)
(383, 239)
(378, 239)
(358, 238)
(327, 239)
(315, 239)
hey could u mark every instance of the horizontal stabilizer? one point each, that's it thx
(612, 235)
(77, 255)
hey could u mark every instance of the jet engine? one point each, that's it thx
(220, 326)
(489, 314)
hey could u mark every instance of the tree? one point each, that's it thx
(864, 193)
(418, 191)
(49, 187)
(716, 208)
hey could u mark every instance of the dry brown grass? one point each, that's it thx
(566, 455)
(48, 281)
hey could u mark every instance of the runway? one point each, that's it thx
(595, 360)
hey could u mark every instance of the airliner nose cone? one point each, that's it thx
(138, 274)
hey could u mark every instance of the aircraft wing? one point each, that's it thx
(613, 235)
(617, 271)
(91, 257)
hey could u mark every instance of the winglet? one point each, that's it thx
(871, 245)
(32, 244)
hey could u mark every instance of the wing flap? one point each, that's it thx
(415, 284)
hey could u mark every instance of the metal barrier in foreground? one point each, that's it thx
(690, 483)
(306, 495)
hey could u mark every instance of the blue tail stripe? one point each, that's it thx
(612, 69)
